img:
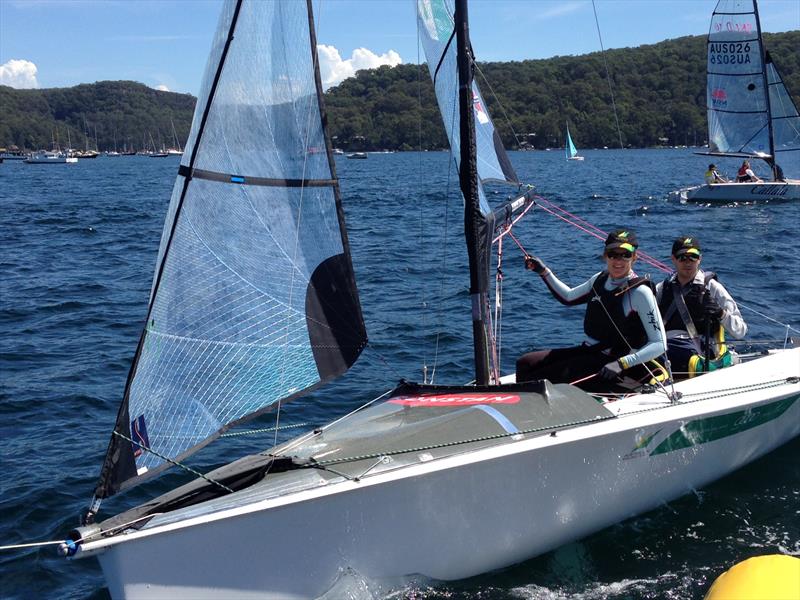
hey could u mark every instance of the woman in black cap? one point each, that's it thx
(622, 323)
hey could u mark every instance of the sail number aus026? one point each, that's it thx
(733, 53)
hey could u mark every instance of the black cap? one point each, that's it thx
(686, 245)
(712, 166)
(622, 238)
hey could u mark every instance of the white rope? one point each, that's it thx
(31, 545)
(760, 314)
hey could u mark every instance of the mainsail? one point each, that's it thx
(254, 298)
(750, 113)
(738, 111)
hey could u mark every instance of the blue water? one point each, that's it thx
(77, 252)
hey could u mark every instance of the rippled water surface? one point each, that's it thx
(77, 251)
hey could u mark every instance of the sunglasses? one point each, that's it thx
(688, 257)
(619, 255)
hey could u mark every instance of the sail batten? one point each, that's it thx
(254, 301)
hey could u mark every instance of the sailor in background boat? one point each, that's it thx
(746, 175)
(697, 311)
(622, 323)
(713, 176)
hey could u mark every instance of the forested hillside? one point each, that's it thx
(124, 112)
(659, 91)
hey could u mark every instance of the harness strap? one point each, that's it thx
(680, 305)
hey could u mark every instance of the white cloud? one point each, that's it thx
(560, 9)
(20, 74)
(162, 88)
(334, 70)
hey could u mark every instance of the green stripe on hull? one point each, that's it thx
(722, 426)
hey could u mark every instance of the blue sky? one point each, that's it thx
(58, 43)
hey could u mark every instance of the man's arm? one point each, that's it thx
(732, 320)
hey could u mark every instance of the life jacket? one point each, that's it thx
(741, 174)
(693, 297)
(621, 332)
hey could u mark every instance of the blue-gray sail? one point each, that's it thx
(785, 118)
(254, 299)
(438, 40)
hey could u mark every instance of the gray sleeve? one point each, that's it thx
(732, 320)
(565, 294)
(644, 303)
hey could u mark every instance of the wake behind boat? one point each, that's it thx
(750, 112)
(252, 306)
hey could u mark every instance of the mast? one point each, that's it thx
(475, 224)
(762, 52)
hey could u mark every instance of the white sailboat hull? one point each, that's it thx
(473, 512)
(51, 160)
(575, 158)
(743, 192)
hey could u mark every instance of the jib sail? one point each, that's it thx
(254, 299)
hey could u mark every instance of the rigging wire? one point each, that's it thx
(419, 192)
(608, 75)
(497, 99)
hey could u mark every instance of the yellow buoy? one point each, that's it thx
(772, 577)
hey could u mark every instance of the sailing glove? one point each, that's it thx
(612, 371)
(711, 308)
(534, 263)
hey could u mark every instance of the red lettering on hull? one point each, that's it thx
(455, 399)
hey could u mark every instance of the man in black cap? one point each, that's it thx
(713, 176)
(693, 305)
(622, 323)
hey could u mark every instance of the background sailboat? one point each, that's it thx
(571, 151)
(750, 112)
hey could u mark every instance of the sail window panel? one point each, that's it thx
(177, 192)
(436, 29)
(747, 133)
(264, 120)
(230, 311)
(217, 46)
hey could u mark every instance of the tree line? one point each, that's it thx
(659, 91)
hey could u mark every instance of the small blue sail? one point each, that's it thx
(254, 298)
(570, 147)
